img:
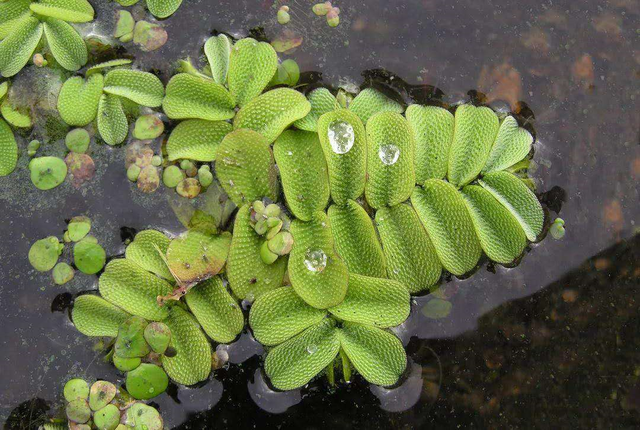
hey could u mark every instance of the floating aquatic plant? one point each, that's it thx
(8, 144)
(158, 8)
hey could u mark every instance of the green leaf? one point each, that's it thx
(192, 363)
(390, 160)
(376, 354)
(106, 65)
(500, 234)
(292, 364)
(512, 145)
(216, 311)
(16, 116)
(475, 130)
(411, 257)
(4, 88)
(374, 301)
(147, 251)
(278, 315)
(94, 316)
(112, 121)
(218, 50)
(67, 46)
(356, 240)
(163, 8)
(190, 96)
(140, 87)
(509, 190)
(197, 139)
(317, 273)
(16, 49)
(79, 99)
(444, 215)
(272, 112)
(88, 256)
(8, 149)
(370, 102)
(196, 255)
(47, 172)
(245, 167)
(303, 172)
(347, 167)
(322, 101)
(248, 275)
(252, 64)
(11, 12)
(66, 10)
(130, 287)
(433, 132)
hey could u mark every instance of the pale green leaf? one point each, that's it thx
(79, 99)
(197, 139)
(163, 8)
(16, 49)
(8, 149)
(190, 96)
(197, 255)
(322, 101)
(218, 49)
(140, 87)
(17, 116)
(148, 250)
(107, 64)
(512, 144)
(112, 121)
(67, 46)
(11, 12)
(370, 102)
(66, 10)
(94, 316)
(252, 64)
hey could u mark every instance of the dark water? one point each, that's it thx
(550, 343)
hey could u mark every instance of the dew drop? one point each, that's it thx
(312, 349)
(341, 136)
(315, 260)
(389, 154)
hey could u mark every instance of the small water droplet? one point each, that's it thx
(312, 349)
(289, 152)
(315, 260)
(396, 271)
(389, 154)
(341, 136)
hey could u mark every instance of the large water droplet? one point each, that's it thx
(312, 349)
(341, 136)
(315, 259)
(389, 154)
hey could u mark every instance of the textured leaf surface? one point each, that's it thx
(512, 144)
(192, 363)
(327, 287)
(246, 168)
(147, 251)
(107, 64)
(390, 160)
(218, 49)
(303, 172)
(475, 130)
(509, 190)
(411, 257)
(66, 10)
(500, 234)
(270, 113)
(8, 149)
(79, 99)
(130, 287)
(94, 316)
(16, 116)
(216, 311)
(196, 255)
(163, 8)
(374, 301)
(66, 44)
(376, 354)
(322, 101)
(292, 364)
(197, 139)
(444, 215)
(252, 64)
(346, 171)
(433, 132)
(356, 240)
(16, 49)
(278, 315)
(370, 102)
(247, 273)
(140, 87)
(11, 12)
(190, 96)
(112, 121)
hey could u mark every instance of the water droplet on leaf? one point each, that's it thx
(389, 154)
(341, 136)
(315, 260)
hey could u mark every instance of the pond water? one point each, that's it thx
(552, 342)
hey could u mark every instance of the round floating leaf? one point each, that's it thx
(475, 130)
(390, 160)
(66, 45)
(436, 309)
(44, 253)
(192, 362)
(47, 172)
(292, 364)
(148, 127)
(248, 275)
(245, 167)
(62, 273)
(112, 120)
(158, 336)
(356, 240)
(130, 342)
(78, 228)
(272, 112)
(303, 170)
(8, 149)
(512, 144)
(144, 417)
(278, 315)
(148, 250)
(197, 139)
(444, 215)
(163, 8)
(77, 140)
(66, 10)
(76, 389)
(375, 353)
(218, 50)
(149, 36)
(509, 190)
(126, 364)
(217, 312)
(322, 101)
(252, 64)
(190, 96)
(78, 411)
(197, 256)
(79, 99)
(101, 394)
(17, 116)
(370, 102)
(411, 257)
(16, 49)
(11, 12)
(94, 316)
(374, 301)
(107, 418)
(432, 128)
(140, 87)
(89, 257)
(146, 381)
